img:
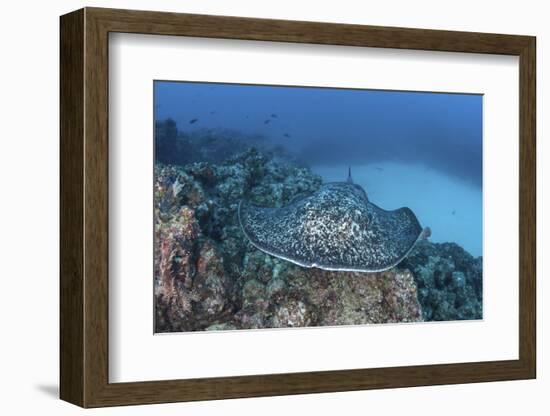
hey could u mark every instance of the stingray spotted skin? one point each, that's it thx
(335, 228)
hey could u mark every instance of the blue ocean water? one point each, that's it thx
(417, 149)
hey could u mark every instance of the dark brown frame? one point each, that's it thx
(84, 209)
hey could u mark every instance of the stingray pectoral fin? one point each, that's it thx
(257, 224)
(274, 231)
(396, 233)
(298, 197)
(335, 228)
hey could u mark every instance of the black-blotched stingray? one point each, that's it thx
(334, 228)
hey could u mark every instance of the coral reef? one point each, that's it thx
(279, 294)
(209, 145)
(209, 277)
(199, 247)
(449, 281)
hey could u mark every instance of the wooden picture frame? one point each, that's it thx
(84, 207)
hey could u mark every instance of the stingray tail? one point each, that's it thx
(350, 180)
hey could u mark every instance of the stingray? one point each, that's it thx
(334, 228)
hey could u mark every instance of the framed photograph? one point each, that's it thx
(255, 207)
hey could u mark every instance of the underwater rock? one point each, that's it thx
(258, 266)
(254, 296)
(449, 281)
(291, 313)
(350, 298)
(204, 172)
(276, 290)
(174, 270)
(212, 282)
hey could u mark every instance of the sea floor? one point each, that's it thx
(452, 208)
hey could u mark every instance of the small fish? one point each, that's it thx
(273, 115)
(212, 112)
(453, 213)
(267, 121)
(379, 168)
(287, 135)
(193, 121)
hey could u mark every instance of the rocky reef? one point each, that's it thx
(449, 281)
(209, 277)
